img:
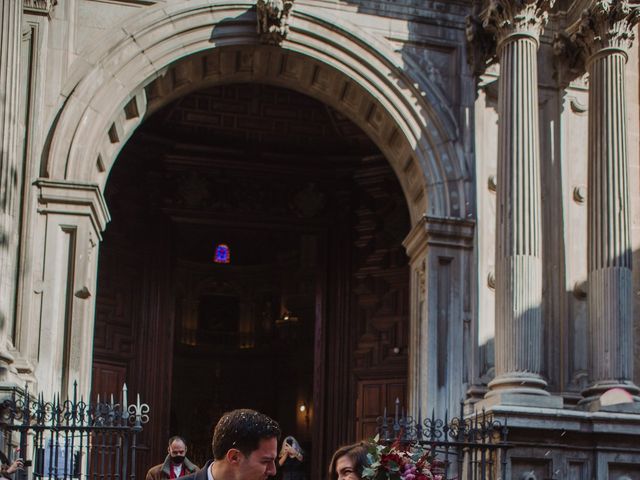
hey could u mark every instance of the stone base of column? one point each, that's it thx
(625, 396)
(506, 399)
(519, 383)
(519, 389)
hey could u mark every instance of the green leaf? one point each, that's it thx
(368, 472)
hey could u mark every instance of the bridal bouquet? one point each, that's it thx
(401, 462)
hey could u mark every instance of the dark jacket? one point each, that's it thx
(162, 472)
(200, 474)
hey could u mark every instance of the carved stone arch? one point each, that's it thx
(180, 46)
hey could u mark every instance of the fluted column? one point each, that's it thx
(519, 330)
(606, 34)
(10, 41)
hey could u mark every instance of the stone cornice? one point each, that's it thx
(73, 198)
(438, 231)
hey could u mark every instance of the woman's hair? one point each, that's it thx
(293, 442)
(358, 455)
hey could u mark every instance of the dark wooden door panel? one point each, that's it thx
(373, 397)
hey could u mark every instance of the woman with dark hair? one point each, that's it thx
(348, 462)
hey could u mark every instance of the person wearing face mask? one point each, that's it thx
(175, 465)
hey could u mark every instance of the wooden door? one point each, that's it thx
(373, 396)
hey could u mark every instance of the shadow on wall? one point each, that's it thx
(431, 43)
(437, 47)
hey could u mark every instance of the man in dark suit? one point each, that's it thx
(245, 444)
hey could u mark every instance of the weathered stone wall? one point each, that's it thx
(92, 70)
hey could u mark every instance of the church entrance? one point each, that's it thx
(254, 259)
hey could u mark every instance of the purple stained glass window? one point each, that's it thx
(223, 254)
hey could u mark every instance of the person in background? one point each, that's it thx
(175, 465)
(290, 459)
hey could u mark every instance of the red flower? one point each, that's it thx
(386, 458)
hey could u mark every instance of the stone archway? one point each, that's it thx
(180, 47)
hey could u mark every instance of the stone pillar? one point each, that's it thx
(71, 217)
(517, 25)
(441, 332)
(10, 41)
(605, 35)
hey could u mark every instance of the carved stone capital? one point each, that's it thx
(273, 20)
(488, 29)
(39, 6)
(608, 24)
(509, 18)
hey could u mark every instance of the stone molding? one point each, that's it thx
(74, 198)
(438, 231)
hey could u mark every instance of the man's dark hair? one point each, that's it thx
(242, 429)
(358, 455)
(177, 438)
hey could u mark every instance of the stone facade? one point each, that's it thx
(511, 125)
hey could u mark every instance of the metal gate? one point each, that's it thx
(71, 438)
(472, 447)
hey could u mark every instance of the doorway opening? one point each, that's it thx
(254, 260)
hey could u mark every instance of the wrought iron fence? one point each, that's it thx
(472, 447)
(72, 439)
